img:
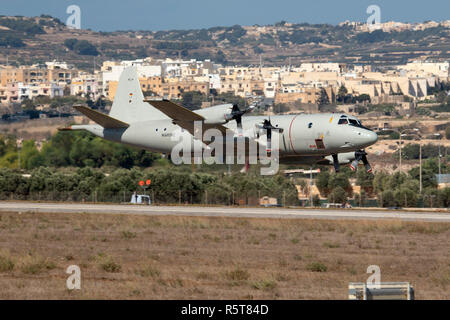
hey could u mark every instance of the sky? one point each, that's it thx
(156, 15)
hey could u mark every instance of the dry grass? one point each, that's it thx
(141, 257)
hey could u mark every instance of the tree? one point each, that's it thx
(11, 40)
(322, 182)
(228, 97)
(70, 43)
(387, 199)
(405, 197)
(361, 98)
(340, 180)
(12, 183)
(280, 108)
(27, 104)
(365, 181)
(342, 93)
(429, 170)
(220, 57)
(316, 200)
(441, 97)
(192, 99)
(443, 198)
(338, 195)
(323, 98)
(81, 47)
(28, 152)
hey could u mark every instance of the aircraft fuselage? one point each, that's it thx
(303, 135)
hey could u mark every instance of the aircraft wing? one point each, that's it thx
(182, 116)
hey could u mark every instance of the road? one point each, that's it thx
(305, 213)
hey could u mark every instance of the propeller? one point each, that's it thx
(267, 125)
(236, 114)
(361, 155)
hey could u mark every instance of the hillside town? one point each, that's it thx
(308, 83)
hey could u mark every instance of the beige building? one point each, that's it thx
(36, 74)
(169, 89)
(306, 95)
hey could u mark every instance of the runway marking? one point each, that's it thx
(344, 214)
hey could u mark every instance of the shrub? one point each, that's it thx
(35, 265)
(6, 264)
(316, 267)
(264, 285)
(111, 266)
(331, 245)
(238, 275)
(128, 234)
(149, 271)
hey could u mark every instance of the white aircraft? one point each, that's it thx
(324, 138)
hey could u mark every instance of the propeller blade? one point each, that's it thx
(267, 125)
(235, 108)
(239, 124)
(269, 139)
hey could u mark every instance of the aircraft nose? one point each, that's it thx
(370, 137)
(366, 138)
(373, 137)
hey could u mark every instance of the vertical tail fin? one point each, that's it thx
(129, 105)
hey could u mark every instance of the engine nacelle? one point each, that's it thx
(343, 158)
(219, 114)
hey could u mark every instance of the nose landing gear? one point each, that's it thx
(360, 155)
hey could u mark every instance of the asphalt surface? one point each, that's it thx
(305, 213)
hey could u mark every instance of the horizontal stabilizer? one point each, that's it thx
(102, 119)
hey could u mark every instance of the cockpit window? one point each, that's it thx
(353, 122)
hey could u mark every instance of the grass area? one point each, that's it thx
(168, 257)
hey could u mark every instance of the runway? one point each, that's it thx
(249, 212)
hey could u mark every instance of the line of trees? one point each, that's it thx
(168, 185)
(77, 164)
(76, 149)
(397, 189)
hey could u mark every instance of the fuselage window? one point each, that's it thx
(310, 125)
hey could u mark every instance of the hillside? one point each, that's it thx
(29, 40)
